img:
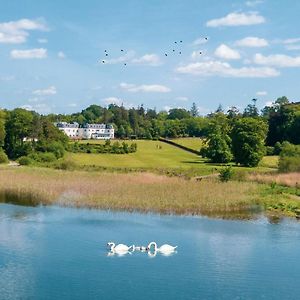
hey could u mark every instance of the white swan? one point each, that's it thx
(119, 247)
(163, 249)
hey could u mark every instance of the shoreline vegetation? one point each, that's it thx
(146, 192)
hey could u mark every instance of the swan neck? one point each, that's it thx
(154, 244)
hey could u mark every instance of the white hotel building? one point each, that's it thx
(87, 131)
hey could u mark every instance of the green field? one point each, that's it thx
(154, 155)
(150, 154)
(189, 142)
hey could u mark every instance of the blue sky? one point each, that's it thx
(51, 53)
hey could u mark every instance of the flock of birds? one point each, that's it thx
(152, 249)
(174, 50)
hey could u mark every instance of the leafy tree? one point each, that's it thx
(248, 138)
(251, 109)
(18, 126)
(2, 128)
(218, 148)
(178, 113)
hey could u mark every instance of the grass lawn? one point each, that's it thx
(189, 142)
(154, 155)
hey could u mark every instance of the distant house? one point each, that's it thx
(87, 131)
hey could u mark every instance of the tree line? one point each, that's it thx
(238, 135)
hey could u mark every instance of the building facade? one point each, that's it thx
(87, 131)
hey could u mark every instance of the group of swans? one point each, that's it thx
(122, 249)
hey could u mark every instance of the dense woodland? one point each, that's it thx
(233, 135)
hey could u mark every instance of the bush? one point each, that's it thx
(277, 148)
(289, 160)
(43, 157)
(270, 150)
(226, 174)
(66, 164)
(25, 161)
(3, 157)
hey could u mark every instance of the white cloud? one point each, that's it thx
(28, 54)
(7, 78)
(72, 105)
(16, 32)
(237, 19)
(254, 3)
(291, 41)
(151, 88)
(223, 69)
(51, 90)
(113, 100)
(41, 108)
(182, 98)
(261, 93)
(225, 52)
(200, 41)
(277, 60)
(269, 103)
(147, 59)
(42, 41)
(117, 101)
(292, 47)
(60, 54)
(252, 41)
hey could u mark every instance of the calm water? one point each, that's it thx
(60, 253)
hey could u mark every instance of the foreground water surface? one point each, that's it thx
(60, 253)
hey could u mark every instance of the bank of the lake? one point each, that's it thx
(144, 192)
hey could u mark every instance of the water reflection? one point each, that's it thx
(18, 198)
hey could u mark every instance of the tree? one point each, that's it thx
(178, 113)
(218, 148)
(18, 126)
(251, 109)
(2, 128)
(218, 145)
(248, 138)
(194, 110)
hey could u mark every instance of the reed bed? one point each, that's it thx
(286, 179)
(132, 192)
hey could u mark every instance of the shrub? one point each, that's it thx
(3, 157)
(25, 160)
(43, 157)
(66, 164)
(277, 148)
(289, 160)
(270, 150)
(226, 174)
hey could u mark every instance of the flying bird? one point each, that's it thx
(180, 41)
(173, 50)
(179, 52)
(166, 54)
(106, 54)
(125, 64)
(103, 61)
(122, 50)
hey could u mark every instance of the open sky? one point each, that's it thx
(51, 53)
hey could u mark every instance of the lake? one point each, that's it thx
(60, 253)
